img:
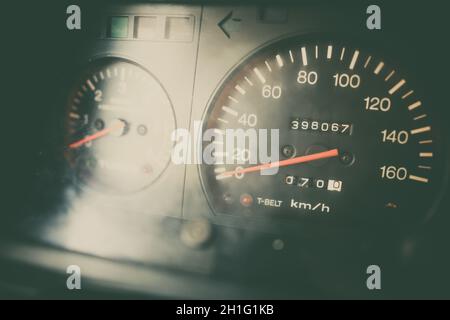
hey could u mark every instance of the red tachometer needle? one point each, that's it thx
(302, 159)
(116, 126)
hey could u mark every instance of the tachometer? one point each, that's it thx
(356, 139)
(117, 114)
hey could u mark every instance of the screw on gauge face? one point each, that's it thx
(288, 151)
(278, 244)
(346, 158)
(228, 198)
(99, 124)
(142, 130)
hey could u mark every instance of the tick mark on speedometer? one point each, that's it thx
(406, 95)
(259, 75)
(304, 57)
(268, 66)
(422, 116)
(240, 89)
(279, 61)
(366, 64)
(342, 54)
(378, 68)
(354, 59)
(418, 179)
(389, 76)
(414, 105)
(421, 130)
(230, 111)
(233, 99)
(329, 52)
(426, 155)
(395, 88)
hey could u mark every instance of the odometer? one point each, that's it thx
(356, 139)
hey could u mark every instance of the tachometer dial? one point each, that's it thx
(117, 116)
(356, 139)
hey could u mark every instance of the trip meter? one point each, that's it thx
(356, 139)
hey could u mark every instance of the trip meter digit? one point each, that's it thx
(356, 139)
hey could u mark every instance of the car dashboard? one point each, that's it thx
(226, 150)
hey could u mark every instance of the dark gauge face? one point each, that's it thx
(117, 114)
(356, 139)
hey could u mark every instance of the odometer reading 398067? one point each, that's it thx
(356, 138)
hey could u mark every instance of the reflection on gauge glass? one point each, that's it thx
(356, 137)
(117, 115)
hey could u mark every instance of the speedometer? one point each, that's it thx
(356, 139)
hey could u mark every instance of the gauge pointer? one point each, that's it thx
(289, 162)
(119, 124)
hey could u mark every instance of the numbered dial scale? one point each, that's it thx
(356, 138)
(119, 122)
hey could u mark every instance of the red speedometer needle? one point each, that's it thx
(116, 126)
(302, 159)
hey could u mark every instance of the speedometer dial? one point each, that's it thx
(356, 139)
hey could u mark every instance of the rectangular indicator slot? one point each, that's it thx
(179, 28)
(146, 27)
(118, 27)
